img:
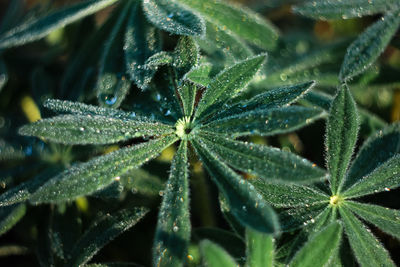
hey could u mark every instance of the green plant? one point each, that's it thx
(134, 104)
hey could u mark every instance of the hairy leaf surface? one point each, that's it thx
(86, 178)
(341, 137)
(200, 75)
(215, 256)
(259, 249)
(40, 27)
(173, 227)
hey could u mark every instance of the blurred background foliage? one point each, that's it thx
(307, 50)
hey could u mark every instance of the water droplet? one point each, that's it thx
(175, 228)
(387, 189)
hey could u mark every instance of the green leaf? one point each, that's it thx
(142, 40)
(188, 92)
(142, 182)
(366, 248)
(159, 59)
(369, 45)
(245, 202)
(217, 38)
(260, 249)
(378, 148)
(384, 178)
(269, 163)
(265, 122)
(186, 55)
(274, 98)
(40, 27)
(10, 215)
(215, 256)
(93, 129)
(173, 227)
(3, 74)
(200, 75)
(173, 17)
(9, 152)
(102, 232)
(326, 9)
(239, 20)
(228, 83)
(319, 248)
(289, 195)
(341, 136)
(299, 217)
(388, 220)
(112, 85)
(86, 178)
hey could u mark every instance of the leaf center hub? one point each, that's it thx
(183, 128)
(335, 200)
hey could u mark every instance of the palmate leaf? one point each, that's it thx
(385, 177)
(142, 182)
(93, 129)
(289, 195)
(228, 83)
(274, 98)
(40, 27)
(215, 256)
(265, 122)
(10, 215)
(259, 249)
(142, 40)
(266, 162)
(173, 227)
(3, 74)
(245, 203)
(188, 92)
(241, 21)
(369, 45)
(200, 75)
(379, 147)
(341, 137)
(388, 220)
(326, 9)
(173, 17)
(112, 86)
(299, 217)
(367, 249)
(320, 247)
(102, 232)
(86, 178)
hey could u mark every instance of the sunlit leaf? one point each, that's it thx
(200, 74)
(40, 27)
(86, 178)
(173, 226)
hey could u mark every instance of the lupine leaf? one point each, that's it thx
(23, 191)
(40, 27)
(200, 75)
(142, 182)
(269, 163)
(173, 226)
(10, 215)
(215, 256)
(3, 74)
(186, 55)
(159, 59)
(341, 137)
(229, 83)
(142, 40)
(260, 249)
(384, 178)
(246, 204)
(188, 92)
(93, 129)
(367, 249)
(86, 178)
(265, 122)
(112, 85)
(274, 98)
(298, 217)
(102, 232)
(379, 147)
(326, 9)
(217, 38)
(289, 195)
(9, 152)
(173, 17)
(239, 20)
(369, 45)
(388, 220)
(320, 247)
